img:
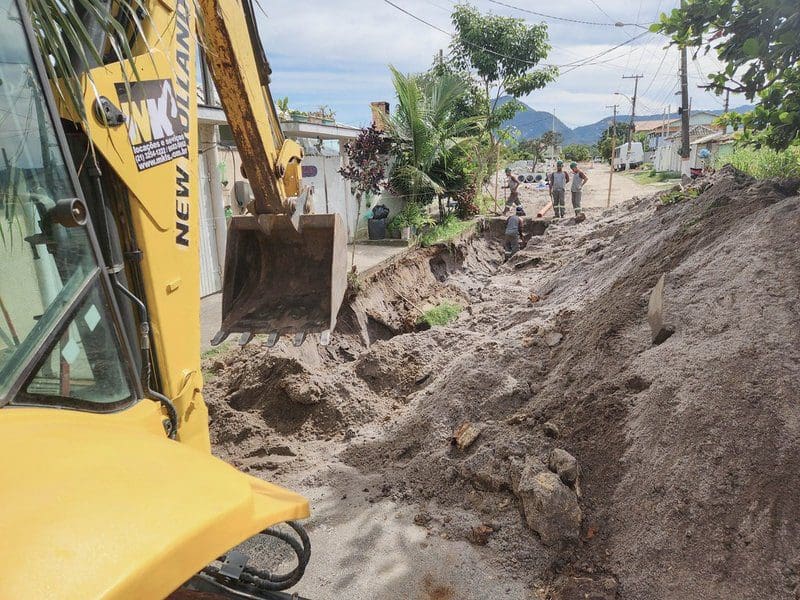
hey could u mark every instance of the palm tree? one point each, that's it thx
(73, 35)
(426, 137)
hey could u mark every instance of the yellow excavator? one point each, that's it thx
(108, 488)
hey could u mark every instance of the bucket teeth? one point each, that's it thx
(245, 338)
(219, 338)
(272, 339)
(325, 338)
(299, 338)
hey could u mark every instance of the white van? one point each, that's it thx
(623, 159)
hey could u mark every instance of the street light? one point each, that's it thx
(628, 98)
(621, 24)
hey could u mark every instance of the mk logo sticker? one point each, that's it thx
(155, 129)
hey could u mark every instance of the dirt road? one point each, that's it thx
(685, 450)
(595, 192)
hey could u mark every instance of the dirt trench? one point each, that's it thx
(687, 449)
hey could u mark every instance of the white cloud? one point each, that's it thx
(336, 53)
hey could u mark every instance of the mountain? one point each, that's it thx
(533, 123)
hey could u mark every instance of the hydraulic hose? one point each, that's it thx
(147, 370)
(253, 581)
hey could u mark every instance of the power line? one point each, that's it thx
(573, 65)
(655, 77)
(586, 61)
(600, 8)
(452, 35)
(567, 19)
(420, 19)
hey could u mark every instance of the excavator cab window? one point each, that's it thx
(59, 339)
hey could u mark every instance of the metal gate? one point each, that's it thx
(210, 278)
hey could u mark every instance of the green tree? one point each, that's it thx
(552, 138)
(758, 43)
(428, 144)
(730, 119)
(604, 146)
(504, 53)
(577, 152)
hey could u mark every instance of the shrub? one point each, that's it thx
(675, 196)
(440, 315)
(763, 163)
(413, 215)
(445, 231)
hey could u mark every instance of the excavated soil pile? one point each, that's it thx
(545, 424)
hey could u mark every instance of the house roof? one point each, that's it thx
(655, 124)
(697, 131)
(652, 124)
(719, 136)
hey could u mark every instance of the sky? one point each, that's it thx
(337, 52)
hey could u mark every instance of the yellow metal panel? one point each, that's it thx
(155, 154)
(97, 506)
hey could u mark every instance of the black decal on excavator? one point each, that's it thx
(182, 59)
(183, 75)
(181, 208)
(155, 131)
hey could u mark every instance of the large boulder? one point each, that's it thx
(550, 507)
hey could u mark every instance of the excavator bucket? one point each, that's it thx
(281, 279)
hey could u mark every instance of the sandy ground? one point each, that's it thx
(393, 505)
(595, 191)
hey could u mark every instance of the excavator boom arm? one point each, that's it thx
(241, 74)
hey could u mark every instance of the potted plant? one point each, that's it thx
(324, 114)
(299, 116)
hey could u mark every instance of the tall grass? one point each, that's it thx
(444, 232)
(764, 163)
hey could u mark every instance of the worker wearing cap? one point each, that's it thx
(513, 232)
(579, 179)
(513, 186)
(558, 188)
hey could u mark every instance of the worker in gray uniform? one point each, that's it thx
(558, 181)
(514, 230)
(579, 179)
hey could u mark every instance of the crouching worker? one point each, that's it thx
(514, 232)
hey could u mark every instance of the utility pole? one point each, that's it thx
(613, 146)
(685, 167)
(727, 100)
(636, 79)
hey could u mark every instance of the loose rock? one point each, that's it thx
(550, 507)
(551, 430)
(423, 519)
(479, 534)
(553, 338)
(465, 435)
(564, 465)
